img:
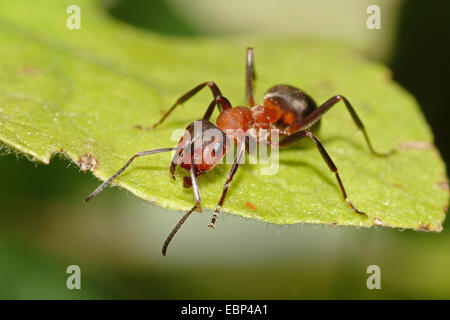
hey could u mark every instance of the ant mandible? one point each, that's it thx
(285, 108)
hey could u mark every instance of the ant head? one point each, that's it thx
(202, 145)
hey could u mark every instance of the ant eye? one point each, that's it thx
(216, 148)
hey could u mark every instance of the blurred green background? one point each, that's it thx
(116, 240)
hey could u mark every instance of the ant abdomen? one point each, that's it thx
(294, 104)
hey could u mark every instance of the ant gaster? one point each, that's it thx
(284, 107)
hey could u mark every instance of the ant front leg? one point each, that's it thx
(333, 169)
(237, 159)
(314, 116)
(220, 101)
(187, 214)
(250, 77)
(223, 103)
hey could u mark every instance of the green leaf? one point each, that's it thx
(80, 92)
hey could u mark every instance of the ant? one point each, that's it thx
(284, 108)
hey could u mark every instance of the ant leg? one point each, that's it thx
(333, 169)
(214, 89)
(314, 116)
(231, 173)
(108, 182)
(219, 100)
(187, 214)
(293, 138)
(250, 77)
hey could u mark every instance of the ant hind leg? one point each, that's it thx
(333, 169)
(313, 117)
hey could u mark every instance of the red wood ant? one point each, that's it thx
(285, 108)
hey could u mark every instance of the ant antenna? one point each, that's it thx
(108, 182)
(187, 214)
(175, 229)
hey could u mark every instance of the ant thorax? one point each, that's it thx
(256, 123)
(263, 136)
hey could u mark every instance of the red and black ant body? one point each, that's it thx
(285, 108)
